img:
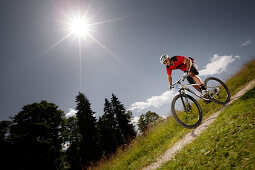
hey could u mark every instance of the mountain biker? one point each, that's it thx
(186, 64)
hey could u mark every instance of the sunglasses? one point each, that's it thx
(165, 61)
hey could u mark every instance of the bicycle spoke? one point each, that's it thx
(187, 112)
(217, 90)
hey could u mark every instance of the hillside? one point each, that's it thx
(146, 149)
(228, 143)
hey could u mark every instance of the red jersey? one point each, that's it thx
(178, 63)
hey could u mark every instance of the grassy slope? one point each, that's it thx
(144, 150)
(228, 143)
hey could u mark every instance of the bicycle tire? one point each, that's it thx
(200, 115)
(223, 85)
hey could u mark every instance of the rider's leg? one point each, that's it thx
(194, 75)
(192, 81)
(198, 81)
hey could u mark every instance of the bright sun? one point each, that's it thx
(79, 26)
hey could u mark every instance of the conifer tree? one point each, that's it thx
(107, 130)
(115, 126)
(89, 150)
(125, 129)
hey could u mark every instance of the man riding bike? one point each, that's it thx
(187, 65)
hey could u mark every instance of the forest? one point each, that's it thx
(40, 136)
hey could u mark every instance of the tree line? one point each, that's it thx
(41, 137)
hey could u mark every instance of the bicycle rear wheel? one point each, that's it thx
(186, 111)
(218, 90)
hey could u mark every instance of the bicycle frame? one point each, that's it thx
(185, 107)
(184, 87)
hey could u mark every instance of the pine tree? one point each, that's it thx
(115, 126)
(89, 150)
(125, 129)
(107, 130)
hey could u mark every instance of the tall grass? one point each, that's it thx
(147, 148)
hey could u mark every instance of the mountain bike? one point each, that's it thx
(186, 109)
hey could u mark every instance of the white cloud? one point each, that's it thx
(217, 65)
(246, 43)
(71, 112)
(154, 101)
(134, 120)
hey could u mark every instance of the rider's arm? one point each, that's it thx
(170, 79)
(188, 63)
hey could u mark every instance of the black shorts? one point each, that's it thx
(194, 70)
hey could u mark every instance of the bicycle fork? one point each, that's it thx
(187, 106)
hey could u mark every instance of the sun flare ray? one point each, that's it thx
(80, 27)
(80, 63)
(55, 45)
(110, 20)
(107, 49)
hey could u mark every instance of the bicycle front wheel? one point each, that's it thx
(218, 90)
(186, 111)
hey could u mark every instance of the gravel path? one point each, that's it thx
(169, 154)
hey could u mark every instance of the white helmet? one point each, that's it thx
(163, 58)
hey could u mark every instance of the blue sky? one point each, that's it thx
(123, 55)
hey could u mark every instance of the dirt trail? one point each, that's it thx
(169, 154)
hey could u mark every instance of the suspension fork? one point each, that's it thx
(183, 103)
